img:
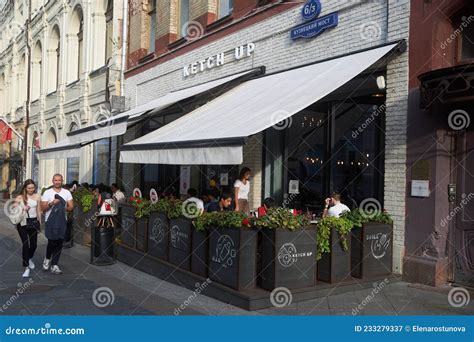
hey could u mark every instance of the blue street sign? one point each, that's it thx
(315, 27)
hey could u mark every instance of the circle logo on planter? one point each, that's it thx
(157, 230)
(225, 251)
(379, 244)
(287, 255)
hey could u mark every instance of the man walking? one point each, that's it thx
(55, 202)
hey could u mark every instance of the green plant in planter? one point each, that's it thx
(175, 209)
(84, 197)
(281, 218)
(142, 207)
(343, 227)
(232, 219)
(206, 220)
(163, 206)
(358, 217)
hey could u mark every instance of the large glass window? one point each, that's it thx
(332, 146)
(101, 169)
(356, 167)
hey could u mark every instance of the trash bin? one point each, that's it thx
(103, 241)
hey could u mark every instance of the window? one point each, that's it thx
(101, 168)
(109, 39)
(152, 14)
(80, 50)
(34, 157)
(73, 163)
(320, 151)
(467, 42)
(37, 70)
(54, 57)
(225, 8)
(75, 42)
(183, 18)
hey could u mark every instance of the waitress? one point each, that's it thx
(241, 191)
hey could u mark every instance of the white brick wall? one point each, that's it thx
(361, 25)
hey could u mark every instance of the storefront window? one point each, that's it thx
(319, 153)
(34, 157)
(356, 164)
(306, 158)
(101, 169)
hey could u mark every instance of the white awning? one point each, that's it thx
(215, 132)
(62, 149)
(117, 125)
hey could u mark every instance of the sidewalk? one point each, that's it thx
(131, 292)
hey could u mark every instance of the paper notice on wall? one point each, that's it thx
(224, 179)
(184, 179)
(294, 187)
(420, 188)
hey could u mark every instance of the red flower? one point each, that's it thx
(246, 222)
(139, 201)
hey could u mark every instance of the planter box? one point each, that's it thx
(158, 236)
(180, 243)
(78, 224)
(335, 266)
(127, 225)
(371, 250)
(83, 224)
(200, 253)
(141, 239)
(232, 257)
(288, 258)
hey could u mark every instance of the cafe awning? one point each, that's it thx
(117, 125)
(216, 132)
(62, 149)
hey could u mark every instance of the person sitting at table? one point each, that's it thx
(334, 207)
(268, 202)
(224, 203)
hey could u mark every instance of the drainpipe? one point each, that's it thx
(124, 45)
(28, 99)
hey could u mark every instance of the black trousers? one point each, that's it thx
(53, 251)
(29, 240)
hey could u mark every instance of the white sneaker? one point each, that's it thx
(46, 264)
(31, 264)
(26, 274)
(56, 270)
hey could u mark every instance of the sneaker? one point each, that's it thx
(56, 270)
(46, 264)
(31, 264)
(26, 274)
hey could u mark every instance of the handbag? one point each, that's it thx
(16, 214)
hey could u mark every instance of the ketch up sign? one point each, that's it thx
(313, 28)
(217, 60)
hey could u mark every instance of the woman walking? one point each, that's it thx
(29, 200)
(241, 191)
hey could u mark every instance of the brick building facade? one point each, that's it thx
(267, 24)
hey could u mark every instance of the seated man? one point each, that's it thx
(334, 207)
(224, 203)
